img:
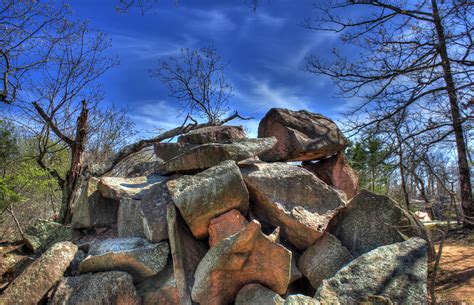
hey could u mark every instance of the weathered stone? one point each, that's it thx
(225, 225)
(211, 154)
(212, 134)
(302, 135)
(323, 259)
(258, 294)
(36, 280)
(186, 253)
(92, 209)
(208, 194)
(102, 288)
(117, 188)
(129, 218)
(370, 221)
(146, 168)
(299, 299)
(243, 258)
(44, 233)
(160, 289)
(397, 272)
(337, 173)
(168, 151)
(293, 198)
(133, 255)
(153, 213)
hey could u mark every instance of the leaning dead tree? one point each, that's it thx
(414, 56)
(197, 80)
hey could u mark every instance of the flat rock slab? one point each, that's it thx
(213, 134)
(168, 151)
(292, 198)
(396, 273)
(160, 289)
(323, 259)
(133, 255)
(225, 225)
(101, 288)
(116, 187)
(186, 253)
(208, 155)
(370, 221)
(208, 194)
(302, 135)
(36, 280)
(243, 258)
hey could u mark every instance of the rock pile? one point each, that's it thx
(227, 220)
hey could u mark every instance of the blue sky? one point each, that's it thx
(266, 50)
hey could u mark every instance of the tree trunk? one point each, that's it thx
(463, 165)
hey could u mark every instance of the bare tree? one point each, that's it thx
(415, 56)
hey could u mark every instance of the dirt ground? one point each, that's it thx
(455, 280)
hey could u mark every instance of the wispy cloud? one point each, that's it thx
(151, 116)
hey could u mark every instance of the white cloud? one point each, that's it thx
(212, 22)
(151, 116)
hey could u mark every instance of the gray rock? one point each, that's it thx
(323, 259)
(397, 272)
(299, 299)
(208, 194)
(212, 134)
(117, 188)
(293, 198)
(167, 151)
(133, 255)
(92, 209)
(129, 218)
(102, 288)
(45, 233)
(302, 135)
(160, 289)
(186, 253)
(258, 294)
(153, 213)
(370, 221)
(39, 277)
(208, 155)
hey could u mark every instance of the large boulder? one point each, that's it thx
(129, 218)
(44, 233)
(101, 288)
(153, 213)
(160, 289)
(117, 188)
(323, 259)
(208, 194)
(397, 273)
(168, 151)
(36, 280)
(186, 253)
(302, 135)
(292, 198)
(225, 225)
(213, 134)
(370, 221)
(211, 154)
(92, 209)
(243, 258)
(133, 255)
(337, 173)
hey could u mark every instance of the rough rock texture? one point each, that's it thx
(133, 255)
(397, 272)
(213, 134)
(92, 209)
(34, 282)
(258, 294)
(243, 258)
(302, 135)
(209, 155)
(102, 288)
(117, 188)
(208, 194)
(167, 151)
(370, 221)
(323, 259)
(225, 225)
(129, 218)
(299, 299)
(293, 198)
(153, 213)
(186, 253)
(44, 233)
(337, 173)
(160, 289)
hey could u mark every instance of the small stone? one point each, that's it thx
(225, 225)
(258, 294)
